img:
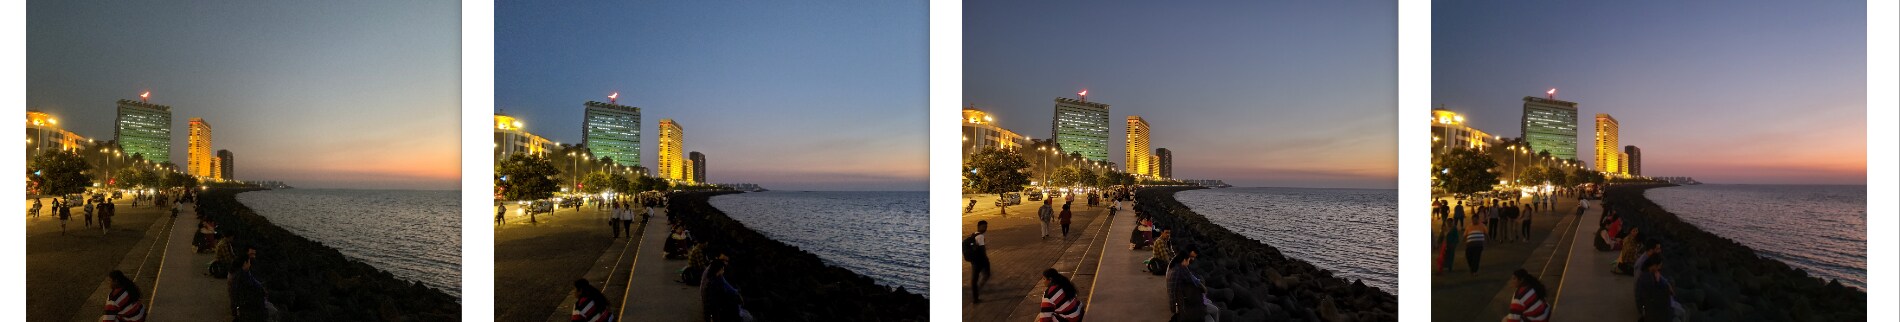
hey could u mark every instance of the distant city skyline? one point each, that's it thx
(1288, 94)
(358, 94)
(790, 96)
(1767, 92)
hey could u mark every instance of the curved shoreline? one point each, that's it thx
(310, 281)
(1719, 279)
(1252, 281)
(781, 282)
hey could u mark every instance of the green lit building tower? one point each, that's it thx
(1081, 126)
(144, 129)
(1551, 125)
(612, 131)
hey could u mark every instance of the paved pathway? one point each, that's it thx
(1458, 295)
(1018, 255)
(536, 264)
(1123, 289)
(653, 295)
(141, 263)
(1589, 289)
(184, 290)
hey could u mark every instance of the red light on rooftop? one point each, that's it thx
(1084, 94)
(147, 95)
(1552, 93)
(611, 98)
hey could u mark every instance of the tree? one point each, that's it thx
(1088, 178)
(596, 182)
(1066, 176)
(1582, 176)
(177, 180)
(620, 183)
(131, 177)
(1557, 176)
(996, 171)
(526, 177)
(61, 173)
(1465, 171)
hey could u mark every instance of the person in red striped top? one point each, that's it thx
(589, 304)
(1058, 301)
(122, 304)
(1527, 304)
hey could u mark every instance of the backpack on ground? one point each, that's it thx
(1156, 266)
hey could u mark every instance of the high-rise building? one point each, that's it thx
(673, 165)
(226, 165)
(1551, 125)
(612, 131)
(1081, 126)
(1609, 153)
(198, 156)
(1635, 156)
(699, 166)
(44, 134)
(1450, 131)
(511, 139)
(1164, 163)
(144, 129)
(1138, 160)
(980, 132)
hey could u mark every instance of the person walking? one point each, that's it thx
(589, 304)
(106, 211)
(65, 214)
(88, 208)
(1474, 246)
(1064, 218)
(1458, 214)
(613, 220)
(976, 251)
(501, 212)
(36, 207)
(1527, 303)
(1448, 249)
(1524, 227)
(122, 304)
(1058, 299)
(626, 218)
(1043, 215)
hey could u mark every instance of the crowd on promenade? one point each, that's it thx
(707, 264)
(98, 208)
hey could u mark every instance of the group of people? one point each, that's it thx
(1640, 254)
(626, 212)
(97, 205)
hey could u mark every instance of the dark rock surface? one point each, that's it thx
(1718, 279)
(1252, 281)
(783, 283)
(308, 281)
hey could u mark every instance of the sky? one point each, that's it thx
(790, 95)
(1759, 92)
(1256, 93)
(318, 94)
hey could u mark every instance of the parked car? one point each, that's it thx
(1034, 194)
(1009, 199)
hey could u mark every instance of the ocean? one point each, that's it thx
(1818, 228)
(1351, 232)
(415, 235)
(881, 234)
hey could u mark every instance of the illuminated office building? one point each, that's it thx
(512, 138)
(144, 129)
(198, 157)
(1551, 125)
(612, 131)
(673, 164)
(1609, 158)
(1081, 126)
(1137, 158)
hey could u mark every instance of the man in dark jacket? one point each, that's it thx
(1655, 297)
(1185, 292)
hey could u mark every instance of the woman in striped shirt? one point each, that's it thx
(1474, 245)
(122, 304)
(1527, 304)
(589, 304)
(1058, 301)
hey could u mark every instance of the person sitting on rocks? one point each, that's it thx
(1655, 295)
(1527, 303)
(1187, 296)
(1058, 299)
(1626, 261)
(719, 299)
(676, 243)
(1143, 234)
(589, 304)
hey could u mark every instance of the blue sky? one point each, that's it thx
(790, 95)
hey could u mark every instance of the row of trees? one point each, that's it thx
(994, 170)
(531, 177)
(1465, 171)
(66, 172)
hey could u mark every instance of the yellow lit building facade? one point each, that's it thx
(673, 164)
(511, 138)
(1138, 160)
(44, 134)
(1449, 131)
(199, 160)
(980, 132)
(1610, 159)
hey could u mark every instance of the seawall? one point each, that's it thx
(1252, 281)
(781, 282)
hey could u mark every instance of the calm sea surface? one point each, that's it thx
(1352, 232)
(1818, 228)
(413, 234)
(881, 234)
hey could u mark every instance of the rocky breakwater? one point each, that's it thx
(784, 283)
(308, 281)
(1718, 279)
(1252, 281)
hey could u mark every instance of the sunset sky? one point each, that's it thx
(1256, 93)
(1726, 92)
(320, 94)
(788, 95)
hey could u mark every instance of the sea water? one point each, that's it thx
(415, 235)
(1818, 228)
(881, 234)
(1351, 232)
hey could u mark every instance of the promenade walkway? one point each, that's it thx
(1123, 289)
(184, 290)
(1458, 295)
(1589, 289)
(66, 274)
(1018, 255)
(609, 273)
(652, 294)
(536, 263)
